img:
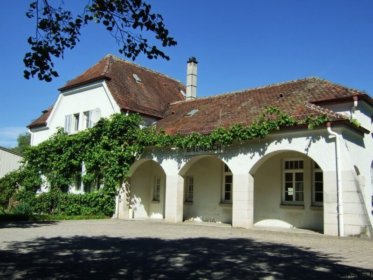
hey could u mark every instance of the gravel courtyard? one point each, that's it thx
(118, 249)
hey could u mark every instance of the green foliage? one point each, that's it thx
(57, 30)
(26, 178)
(67, 204)
(355, 122)
(107, 151)
(23, 142)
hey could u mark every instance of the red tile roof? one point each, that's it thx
(42, 120)
(150, 95)
(294, 98)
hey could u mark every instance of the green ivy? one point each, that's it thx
(108, 150)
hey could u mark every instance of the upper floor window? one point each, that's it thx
(76, 122)
(293, 182)
(227, 184)
(318, 185)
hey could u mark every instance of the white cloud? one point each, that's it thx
(8, 135)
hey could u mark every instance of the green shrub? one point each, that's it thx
(22, 209)
(59, 203)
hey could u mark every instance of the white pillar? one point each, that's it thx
(122, 203)
(243, 200)
(330, 203)
(174, 198)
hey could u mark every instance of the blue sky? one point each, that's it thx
(239, 44)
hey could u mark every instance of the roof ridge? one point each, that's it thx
(116, 58)
(219, 95)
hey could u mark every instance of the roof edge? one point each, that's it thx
(10, 151)
(95, 79)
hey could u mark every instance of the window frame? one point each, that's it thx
(76, 120)
(317, 169)
(293, 170)
(227, 173)
(189, 189)
(156, 196)
(88, 119)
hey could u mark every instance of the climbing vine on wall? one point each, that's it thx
(110, 148)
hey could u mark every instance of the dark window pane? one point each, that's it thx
(227, 187)
(288, 187)
(299, 186)
(288, 197)
(318, 187)
(226, 168)
(318, 176)
(299, 196)
(319, 197)
(301, 164)
(288, 177)
(228, 179)
(299, 177)
(227, 196)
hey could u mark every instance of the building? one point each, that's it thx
(319, 179)
(9, 161)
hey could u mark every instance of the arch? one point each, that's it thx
(263, 159)
(185, 167)
(288, 191)
(204, 189)
(146, 191)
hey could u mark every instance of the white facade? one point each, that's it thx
(72, 108)
(245, 184)
(258, 184)
(9, 161)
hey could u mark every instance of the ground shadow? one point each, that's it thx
(26, 224)
(146, 258)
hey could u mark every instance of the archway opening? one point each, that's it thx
(288, 191)
(146, 191)
(208, 184)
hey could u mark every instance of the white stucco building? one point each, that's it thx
(9, 161)
(319, 179)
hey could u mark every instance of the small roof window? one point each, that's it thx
(192, 113)
(137, 78)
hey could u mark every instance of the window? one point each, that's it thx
(227, 184)
(189, 186)
(293, 181)
(88, 119)
(318, 185)
(76, 122)
(157, 189)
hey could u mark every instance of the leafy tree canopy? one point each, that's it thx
(23, 141)
(58, 29)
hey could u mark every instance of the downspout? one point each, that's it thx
(339, 180)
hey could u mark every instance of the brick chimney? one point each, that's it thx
(191, 84)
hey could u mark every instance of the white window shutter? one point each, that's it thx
(68, 119)
(95, 116)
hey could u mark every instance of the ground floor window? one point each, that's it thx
(293, 181)
(227, 184)
(189, 186)
(318, 185)
(157, 189)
